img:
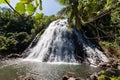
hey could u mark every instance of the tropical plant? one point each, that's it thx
(23, 6)
(84, 12)
(17, 32)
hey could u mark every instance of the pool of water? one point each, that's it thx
(14, 69)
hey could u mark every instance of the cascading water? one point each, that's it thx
(58, 44)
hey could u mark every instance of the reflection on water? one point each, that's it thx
(12, 69)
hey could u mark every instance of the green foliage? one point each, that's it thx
(63, 2)
(96, 19)
(112, 47)
(39, 16)
(23, 39)
(26, 6)
(26, 1)
(2, 43)
(110, 2)
(40, 7)
(81, 12)
(17, 32)
(112, 77)
(116, 16)
(11, 43)
(115, 78)
(20, 8)
(30, 8)
(102, 77)
(3, 1)
(11, 22)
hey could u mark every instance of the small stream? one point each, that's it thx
(16, 68)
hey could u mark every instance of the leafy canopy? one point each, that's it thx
(26, 6)
(3, 1)
(79, 12)
(82, 12)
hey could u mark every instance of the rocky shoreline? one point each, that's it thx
(108, 71)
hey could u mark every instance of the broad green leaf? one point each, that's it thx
(3, 1)
(20, 8)
(30, 8)
(40, 7)
(26, 1)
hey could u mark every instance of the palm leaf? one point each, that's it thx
(65, 11)
(63, 2)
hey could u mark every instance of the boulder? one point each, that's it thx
(71, 78)
(79, 78)
(29, 78)
(118, 67)
(68, 75)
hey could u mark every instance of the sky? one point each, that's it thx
(50, 7)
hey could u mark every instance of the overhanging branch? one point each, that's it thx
(12, 8)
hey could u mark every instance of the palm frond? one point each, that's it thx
(64, 11)
(63, 2)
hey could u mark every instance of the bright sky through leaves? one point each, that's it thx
(49, 6)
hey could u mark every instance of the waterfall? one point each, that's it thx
(58, 44)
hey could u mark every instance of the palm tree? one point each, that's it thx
(84, 12)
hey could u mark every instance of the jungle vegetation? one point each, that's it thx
(16, 32)
(99, 20)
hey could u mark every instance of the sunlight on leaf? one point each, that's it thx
(3, 1)
(26, 1)
(30, 8)
(63, 2)
(20, 8)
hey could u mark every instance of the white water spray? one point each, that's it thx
(57, 44)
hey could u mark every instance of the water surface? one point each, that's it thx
(13, 69)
